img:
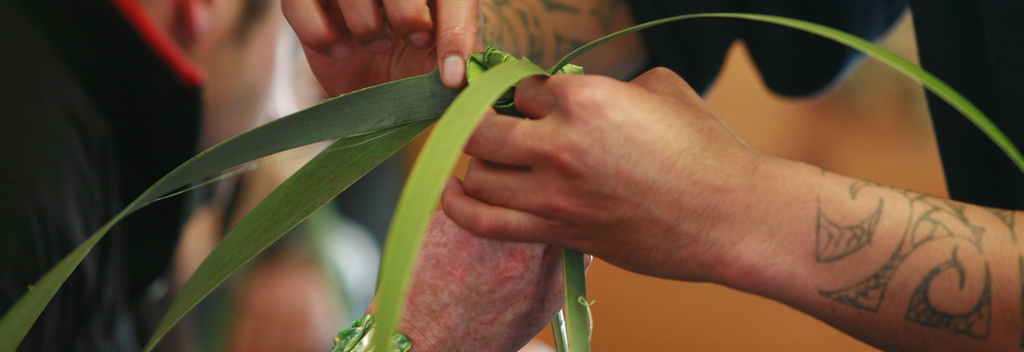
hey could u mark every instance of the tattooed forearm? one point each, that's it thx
(546, 30)
(512, 26)
(1007, 217)
(836, 241)
(604, 12)
(974, 323)
(930, 220)
(552, 5)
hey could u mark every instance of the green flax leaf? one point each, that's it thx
(365, 111)
(316, 183)
(408, 101)
(573, 273)
(932, 83)
(577, 312)
(423, 189)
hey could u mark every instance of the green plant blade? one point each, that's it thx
(577, 311)
(423, 189)
(361, 112)
(932, 83)
(315, 184)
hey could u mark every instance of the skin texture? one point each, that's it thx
(353, 44)
(503, 294)
(476, 294)
(581, 155)
(647, 177)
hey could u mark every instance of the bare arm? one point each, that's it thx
(895, 268)
(547, 30)
(645, 176)
(349, 46)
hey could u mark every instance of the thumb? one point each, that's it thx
(456, 39)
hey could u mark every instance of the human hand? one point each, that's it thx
(641, 174)
(476, 294)
(352, 44)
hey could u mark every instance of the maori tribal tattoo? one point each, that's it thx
(1006, 216)
(931, 220)
(973, 323)
(545, 30)
(835, 241)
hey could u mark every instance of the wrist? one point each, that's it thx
(773, 229)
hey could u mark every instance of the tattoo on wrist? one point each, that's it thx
(931, 220)
(1007, 217)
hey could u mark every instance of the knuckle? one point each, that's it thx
(478, 141)
(471, 187)
(407, 19)
(561, 85)
(583, 96)
(566, 157)
(366, 29)
(365, 34)
(559, 206)
(318, 39)
(662, 73)
(313, 34)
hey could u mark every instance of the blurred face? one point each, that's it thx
(237, 52)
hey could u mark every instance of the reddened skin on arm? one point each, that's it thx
(474, 294)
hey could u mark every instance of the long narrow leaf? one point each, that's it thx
(316, 183)
(396, 103)
(932, 83)
(423, 189)
(575, 282)
(400, 254)
(577, 310)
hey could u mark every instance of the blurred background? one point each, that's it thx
(299, 293)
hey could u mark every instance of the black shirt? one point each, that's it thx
(976, 46)
(89, 117)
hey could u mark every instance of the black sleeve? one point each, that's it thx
(56, 187)
(792, 62)
(977, 47)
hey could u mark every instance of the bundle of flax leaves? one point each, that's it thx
(368, 126)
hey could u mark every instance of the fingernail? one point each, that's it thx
(379, 46)
(341, 52)
(452, 70)
(420, 40)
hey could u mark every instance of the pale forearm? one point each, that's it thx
(895, 268)
(546, 30)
